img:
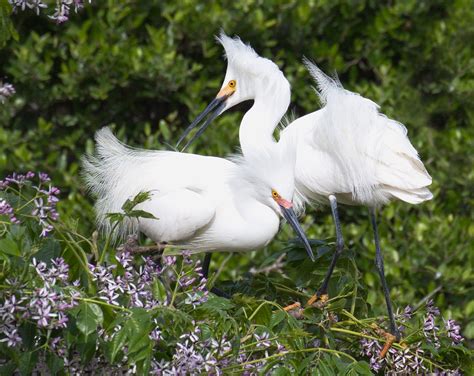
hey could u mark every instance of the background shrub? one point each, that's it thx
(147, 68)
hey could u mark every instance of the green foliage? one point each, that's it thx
(147, 68)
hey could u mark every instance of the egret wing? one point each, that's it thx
(181, 213)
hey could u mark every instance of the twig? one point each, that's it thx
(427, 297)
(276, 266)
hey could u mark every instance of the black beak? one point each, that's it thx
(217, 105)
(292, 219)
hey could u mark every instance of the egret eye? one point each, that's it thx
(275, 194)
(232, 84)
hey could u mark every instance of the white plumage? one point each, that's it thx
(350, 150)
(346, 152)
(347, 149)
(202, 203)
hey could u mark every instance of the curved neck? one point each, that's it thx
(259, 123)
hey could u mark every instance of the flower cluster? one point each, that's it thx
(193, 356)
(44, 305)
(6, 209)
(6, 90)
(411, 360)
(44, 201)
(35, 5)
(453, 331)
(61, 11)
(430, 329)
(134, 286)
(63, 7)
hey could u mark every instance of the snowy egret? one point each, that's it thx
(203, 204)
(347, 152)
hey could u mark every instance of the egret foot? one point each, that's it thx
(292, 306)
(389, 340)
(294, 310)
(317, 300)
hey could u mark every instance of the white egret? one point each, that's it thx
(203, 204)
(347, 152)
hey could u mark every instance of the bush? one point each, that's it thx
(147, 68)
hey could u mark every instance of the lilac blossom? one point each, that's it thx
(6, 90)
(453, 331)
(18, 179)
(430, 330)
(44, 202)
(45, 305)
(63, 8)
(6, 209)
(192, 356)
(263, 340)
(34, 5)
(46, 211)
(431, 309)
(11, 336)
(371, 348)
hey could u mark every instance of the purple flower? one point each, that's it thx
(453, 331)
(11, 336)
(34, 5)
(170, 260)
(431, 309)
(6, 209)
(263, 340)
(430, 330)
(44, 177)
(46, 212)
(6, 90)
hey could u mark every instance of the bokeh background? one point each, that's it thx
(148, 67)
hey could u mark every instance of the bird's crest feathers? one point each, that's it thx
(243, 58)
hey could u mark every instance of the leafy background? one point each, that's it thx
(147, 68)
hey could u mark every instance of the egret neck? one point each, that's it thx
(259, 123)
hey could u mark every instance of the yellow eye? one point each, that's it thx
(275, 194)
(232, 84)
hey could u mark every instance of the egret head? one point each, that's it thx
(269, 175)
(248, 77)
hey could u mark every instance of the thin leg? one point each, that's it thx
(380, 268)
(205, 265)
(323, 290)
(205, 274)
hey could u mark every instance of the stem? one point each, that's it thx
(107, 243)
(312, 349)
(176, 286)
(100, 302)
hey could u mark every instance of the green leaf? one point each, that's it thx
(7, 30)
(138, 199)
(89, 317)
(55, 363)
(277, 317)
(118, 342)
(159, 290)
(49, 249)
(9, 246)
(140, 214)
(27, 362)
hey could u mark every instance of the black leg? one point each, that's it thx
(205, 265)
(380, 268)
(205, 274)
(339, 247)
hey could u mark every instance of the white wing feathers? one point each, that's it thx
(373, 152)
(117, 173)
